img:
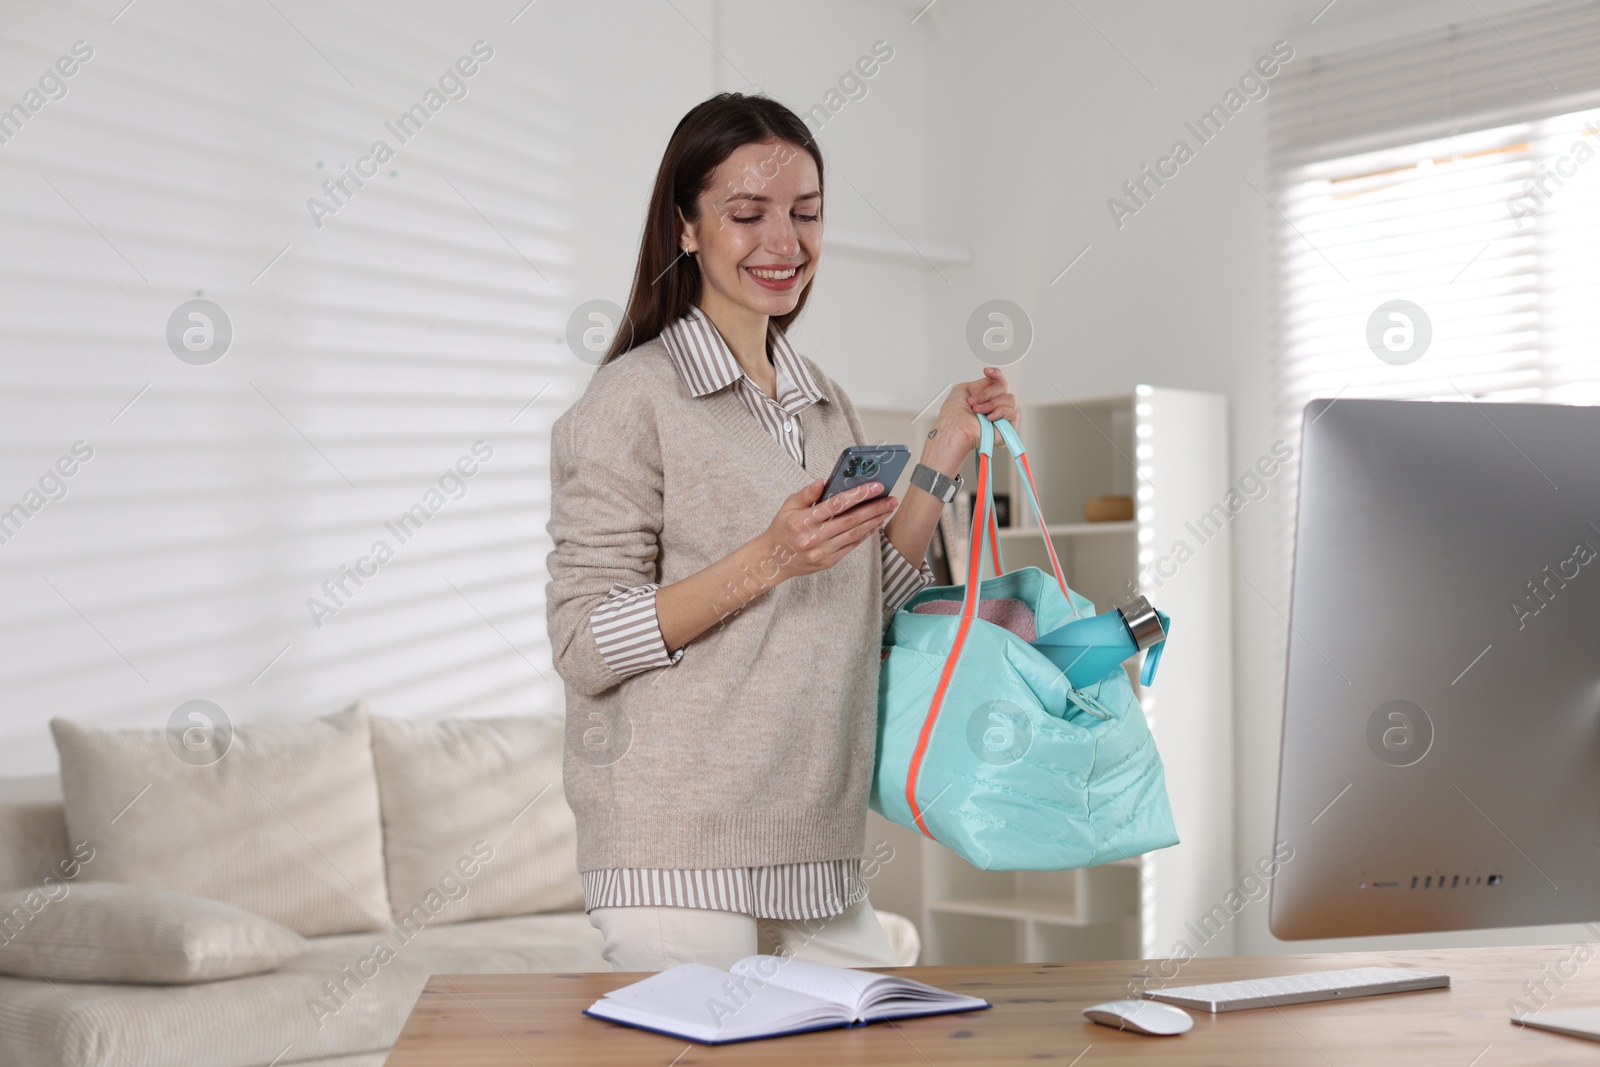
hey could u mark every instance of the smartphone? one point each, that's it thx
(860, 464)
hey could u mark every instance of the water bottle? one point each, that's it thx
(1087, 650)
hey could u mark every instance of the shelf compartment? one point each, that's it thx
(973, 939)
(1091, 450)
(1072, 529)
(1047, 943)
(1029, 908)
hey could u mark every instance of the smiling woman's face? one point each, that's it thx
(760, 228)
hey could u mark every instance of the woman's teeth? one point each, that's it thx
(773, 275)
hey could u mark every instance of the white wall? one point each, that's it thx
(866, 321)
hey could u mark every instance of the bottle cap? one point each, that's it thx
(1142, 622)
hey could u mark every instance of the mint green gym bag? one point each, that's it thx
(986, 747)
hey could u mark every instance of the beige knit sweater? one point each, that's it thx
(756, 747)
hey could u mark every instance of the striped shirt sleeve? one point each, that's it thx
(806, 890)
(901, 581)
(627, 632)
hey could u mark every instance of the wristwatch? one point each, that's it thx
(940, 485)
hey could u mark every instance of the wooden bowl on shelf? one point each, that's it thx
(1108, 509)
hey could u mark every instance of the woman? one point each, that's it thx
(717, 630)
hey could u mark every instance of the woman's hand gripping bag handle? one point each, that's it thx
(985, 746)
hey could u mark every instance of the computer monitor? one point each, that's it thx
(1440, 767)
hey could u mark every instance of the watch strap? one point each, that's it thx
(938, 483)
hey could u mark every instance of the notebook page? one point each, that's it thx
(896, 987)
(840, 985)
(893, 1000)
(865, 994)
(707, 1004)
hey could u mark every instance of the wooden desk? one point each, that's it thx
(533, 1019)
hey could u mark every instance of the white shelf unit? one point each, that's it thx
(1166, 448)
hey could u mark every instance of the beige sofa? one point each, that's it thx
(338, 1003)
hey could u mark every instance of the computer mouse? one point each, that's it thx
(1141, 1016)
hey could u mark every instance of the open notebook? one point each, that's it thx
(765, 996)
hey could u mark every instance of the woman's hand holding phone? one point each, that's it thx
(807, 536)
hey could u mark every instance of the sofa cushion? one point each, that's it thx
(284, 824)
(348, 994)
(904, 941)
(33, 832)
(106, 932)
(475, 823)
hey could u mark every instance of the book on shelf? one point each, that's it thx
(938, 562)
(769, 996)
(955, 528)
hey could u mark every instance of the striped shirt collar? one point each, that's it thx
(706, 364)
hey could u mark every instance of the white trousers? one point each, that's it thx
(648, 938)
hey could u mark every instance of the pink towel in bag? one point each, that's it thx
(1005, 611)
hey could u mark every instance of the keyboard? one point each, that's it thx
(1298, 988)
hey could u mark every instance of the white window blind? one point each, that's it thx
(1483, 71)
(368, 356)
(1457, 171)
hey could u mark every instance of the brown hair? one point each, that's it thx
(666, 283)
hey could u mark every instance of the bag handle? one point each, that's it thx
(984, 499)
(996, 557)
(1019, 458)
(984, 530)
(969, 611)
